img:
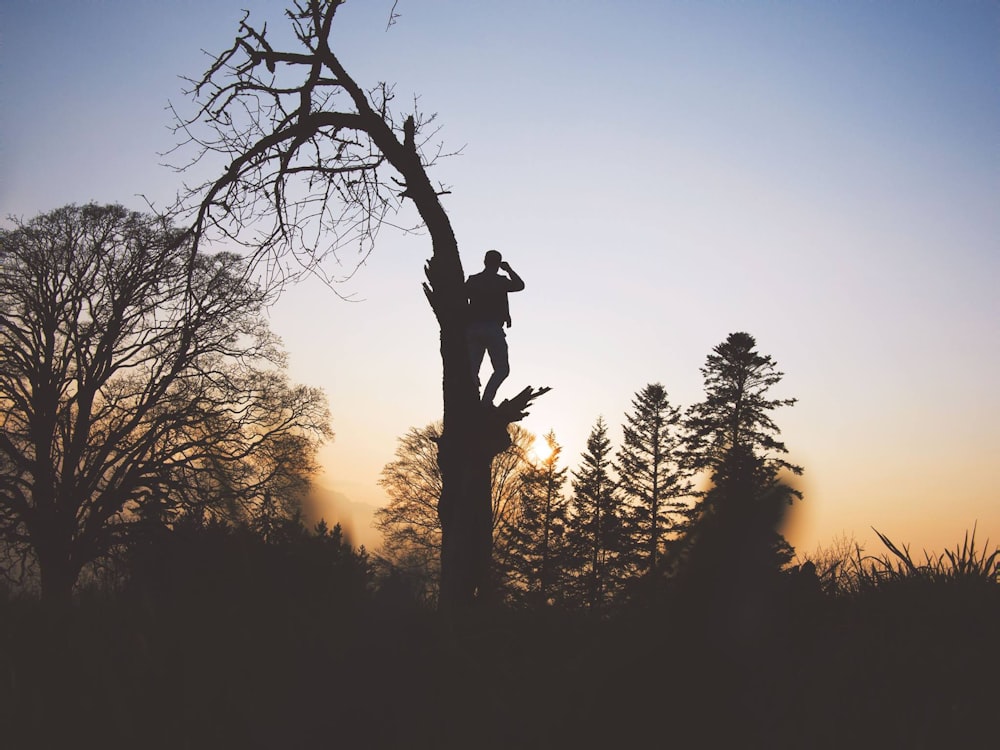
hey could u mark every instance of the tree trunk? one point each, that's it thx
(57, 580)
(465, 456)
(57, 570)
(473, 433)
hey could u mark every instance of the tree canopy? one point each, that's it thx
(137, 381)
(736, 410)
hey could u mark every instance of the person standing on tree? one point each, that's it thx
(488, 313)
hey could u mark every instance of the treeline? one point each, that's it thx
(625, 521)
(153, 458)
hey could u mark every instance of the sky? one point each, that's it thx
(823, 175)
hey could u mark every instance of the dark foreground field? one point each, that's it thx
(911, 664)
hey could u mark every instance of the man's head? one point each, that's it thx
(492, 260)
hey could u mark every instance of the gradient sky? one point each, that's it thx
(822, 175)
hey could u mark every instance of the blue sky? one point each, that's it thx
(823, 175)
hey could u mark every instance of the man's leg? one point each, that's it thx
(496, 345)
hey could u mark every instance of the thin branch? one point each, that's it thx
(393, 16)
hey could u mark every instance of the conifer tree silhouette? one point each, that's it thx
(652, 475)
(732, 545)
(595, 529)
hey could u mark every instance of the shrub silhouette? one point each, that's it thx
(224, 640)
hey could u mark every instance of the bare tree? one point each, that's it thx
(314, 163)
(135, 383)
(409, 524)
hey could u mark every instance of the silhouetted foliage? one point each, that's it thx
(595, 531)
(282, 644)
(732, 549)
(844, 569)
(732, 553)
(410, 522)
(137, 381)
(509, 472)
(652, 476)
(538, 554)
(736, 411)
(202, 561)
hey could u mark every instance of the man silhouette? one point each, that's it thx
(488, 312)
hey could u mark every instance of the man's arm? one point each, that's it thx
(516, 282)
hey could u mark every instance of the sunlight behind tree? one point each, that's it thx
(138, 382)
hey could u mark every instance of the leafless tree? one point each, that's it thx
(136, 380)
(312, 163)
(409, 524)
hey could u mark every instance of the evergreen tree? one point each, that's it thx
(733, 546)
(651, 474)
(595, 528)
(538, 538)
(736, 411)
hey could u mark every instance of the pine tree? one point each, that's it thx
(595, 527)
(733, 545)
(651, 474)
(735, 411)
(538, 539)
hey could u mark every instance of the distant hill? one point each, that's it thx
(354, 517)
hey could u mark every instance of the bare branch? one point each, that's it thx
(308, 157)
(393, 15)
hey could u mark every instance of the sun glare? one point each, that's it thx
(540, 451)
